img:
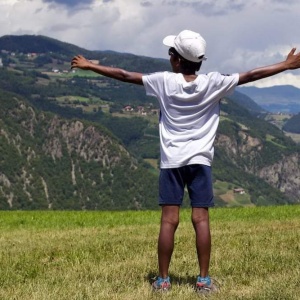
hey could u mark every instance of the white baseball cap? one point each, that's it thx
(189, 44)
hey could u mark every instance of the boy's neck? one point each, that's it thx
(189, 77)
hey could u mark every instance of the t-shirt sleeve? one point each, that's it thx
(226, 83)
(153, 83)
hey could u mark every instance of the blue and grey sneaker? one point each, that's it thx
(161, 284)
(205, 285)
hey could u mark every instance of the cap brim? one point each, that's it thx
(169, 40)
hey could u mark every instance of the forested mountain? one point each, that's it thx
(48, 162)
(251, 146)
(73, 140)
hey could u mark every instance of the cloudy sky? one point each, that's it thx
(240, 34)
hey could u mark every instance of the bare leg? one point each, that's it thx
(200, 219)
(168, 226)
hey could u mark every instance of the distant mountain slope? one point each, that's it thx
(275, 99)
(42, 44)
(38, 44)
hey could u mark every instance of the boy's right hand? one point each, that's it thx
(80, 62)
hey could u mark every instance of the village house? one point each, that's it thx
(240, 191)
(155, 111)
(128, 108)
(32, 55)
(94, 61)
(140, 109)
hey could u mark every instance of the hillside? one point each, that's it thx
(246, 102)
(293, 124)
(251, 154)
(250, 150)
(37, 44)
(52, 163)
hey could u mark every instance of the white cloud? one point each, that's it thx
(280, 79)
(241, 35)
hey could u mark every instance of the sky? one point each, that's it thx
(240, 35)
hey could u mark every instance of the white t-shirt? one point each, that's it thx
(189, 115)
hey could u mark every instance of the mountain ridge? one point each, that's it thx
(283, 98)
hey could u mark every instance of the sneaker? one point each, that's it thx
(161, 284)
(206, 285)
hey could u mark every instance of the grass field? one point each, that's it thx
(112, 255)
(294, 136)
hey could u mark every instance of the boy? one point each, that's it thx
(189, 118)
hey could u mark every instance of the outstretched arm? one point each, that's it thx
(292, 62)
(116, 73)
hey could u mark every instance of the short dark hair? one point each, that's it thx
(186, 65)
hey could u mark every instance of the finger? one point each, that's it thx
(293, 51)
(73, 63)
(76, 57)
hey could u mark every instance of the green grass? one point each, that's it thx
(72, 98)
(82, 73)
(294, 136)
(270, 138)
(112, 255)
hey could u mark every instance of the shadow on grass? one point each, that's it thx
(175, 280)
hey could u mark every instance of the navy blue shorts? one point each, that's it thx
(197, 178)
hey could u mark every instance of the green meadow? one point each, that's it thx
(112, 255)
